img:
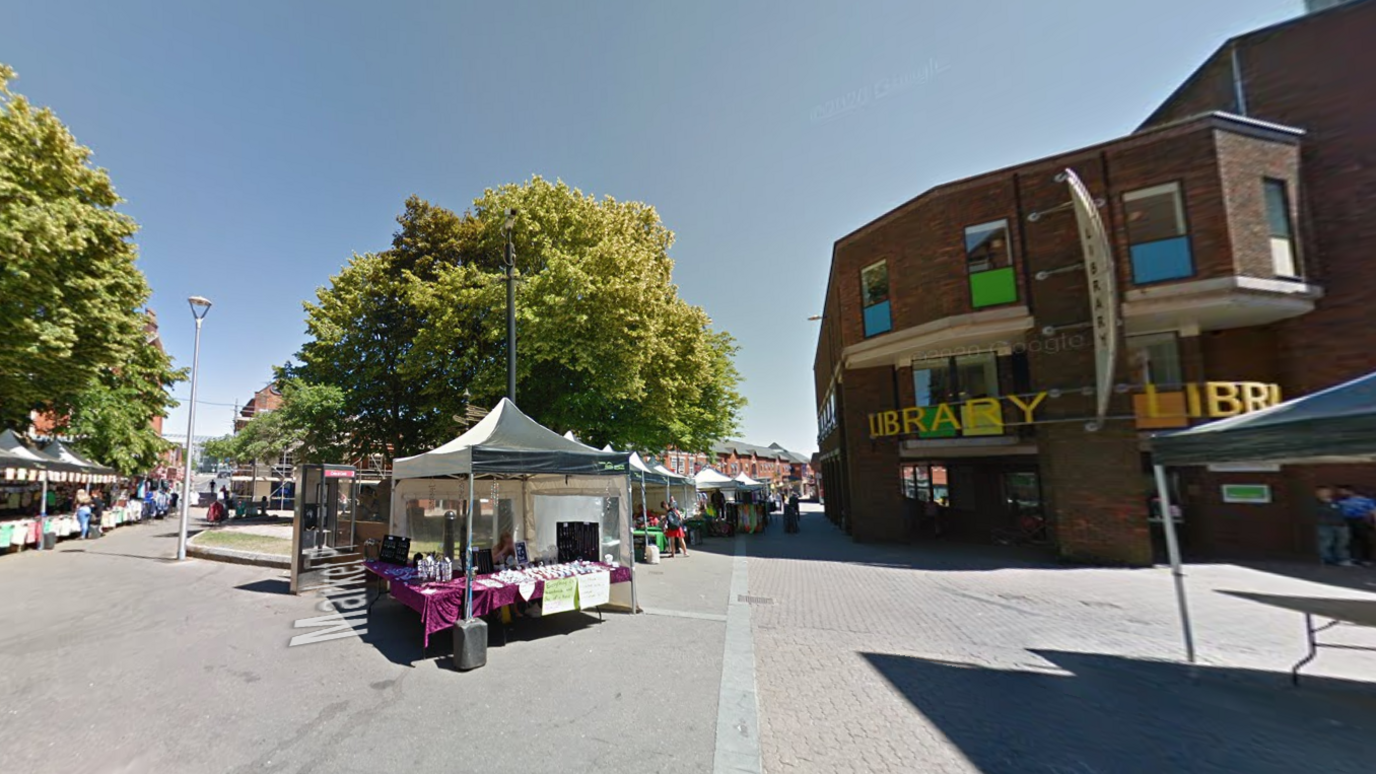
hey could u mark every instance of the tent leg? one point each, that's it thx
(1173, 549)
(630, 535)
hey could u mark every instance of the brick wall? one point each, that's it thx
(1304, 74)
(875, 500)
(1243, 164)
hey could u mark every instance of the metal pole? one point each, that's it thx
(190, 427)
(468, 551)
(630, 535)
(1173, 548)
(510, 319)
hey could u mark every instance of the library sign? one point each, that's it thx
(1154, 409)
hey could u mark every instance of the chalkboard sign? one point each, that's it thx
(395, 550)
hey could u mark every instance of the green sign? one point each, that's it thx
(559, 596)
(1251, 494)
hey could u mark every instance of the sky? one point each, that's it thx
(260, 144)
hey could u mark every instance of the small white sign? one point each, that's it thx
(1244, 467)
(594, 589)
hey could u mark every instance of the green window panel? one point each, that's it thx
(991, 288)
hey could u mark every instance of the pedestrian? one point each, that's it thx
(673, 528)
(98, 506)
(1331, 525)
(1359, 512)
(224, 495)
(175, 498)
(83, 511)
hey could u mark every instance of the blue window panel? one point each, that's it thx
(877, 319)
(1166, 259)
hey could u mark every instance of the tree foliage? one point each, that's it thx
(308, 424)
(605, 347)
(72, 334)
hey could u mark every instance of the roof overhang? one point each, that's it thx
(989, 330)
(1217, 304)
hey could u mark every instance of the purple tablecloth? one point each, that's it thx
(442, 607)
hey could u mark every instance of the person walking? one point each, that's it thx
(1331, 525)
(83, 511)
(97, 510)
(673, 529)
(1359, 512)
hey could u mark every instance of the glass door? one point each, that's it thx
(1023, 495)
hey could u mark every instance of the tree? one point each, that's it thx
(308, 424)
(72, 341)
(112, 417)
(606, 347)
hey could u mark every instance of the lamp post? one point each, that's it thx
(199, 307)
(510, 308)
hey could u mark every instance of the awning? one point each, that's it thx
(507, 442)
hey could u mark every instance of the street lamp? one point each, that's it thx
(510, 307)
(199, 307)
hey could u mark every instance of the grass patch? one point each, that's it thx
(241, 541)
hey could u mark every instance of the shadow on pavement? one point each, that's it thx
(1358, 578)
(819, 540)
(270, 586)
(161, 559)
(396, 631)
(1124, 716)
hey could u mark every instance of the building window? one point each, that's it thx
(1282, 233)
(977, 376)
(955, 381)
(932, 383)
(1155, 359)
(1157, 235)
(874, 296)
(989, 260)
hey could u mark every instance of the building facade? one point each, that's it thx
(957, 343)
(782, 469)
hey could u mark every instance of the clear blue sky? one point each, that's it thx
(259, 144)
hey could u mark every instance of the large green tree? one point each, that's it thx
(72, 333)
(309, 424)
(606, 347)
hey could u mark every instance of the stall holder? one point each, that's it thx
(441, 605)
(510, 481)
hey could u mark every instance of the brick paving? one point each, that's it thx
(939, 659)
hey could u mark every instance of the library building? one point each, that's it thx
(990, 369)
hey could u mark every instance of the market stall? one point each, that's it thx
(752, 502)
(37, 490)
(545, 508)
(716, 501)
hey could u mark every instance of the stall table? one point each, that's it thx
(1337, 612)
(656, 534)
(441, 604)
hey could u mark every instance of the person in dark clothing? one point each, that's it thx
(1359, 512)
(1331, 525)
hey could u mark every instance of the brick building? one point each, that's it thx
(781, 468)
(1240, 248)
(267, 399)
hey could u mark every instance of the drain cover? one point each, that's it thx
(754, 600)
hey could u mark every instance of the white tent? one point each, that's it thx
(515, 476)
(709, 478)
(747, 482)
(682, 488)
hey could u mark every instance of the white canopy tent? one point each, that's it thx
(709, 478)
(747, 482)
(682, 488)
(516, 477)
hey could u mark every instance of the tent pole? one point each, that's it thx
(1173, 548)
(630, 535)
(468, 552)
